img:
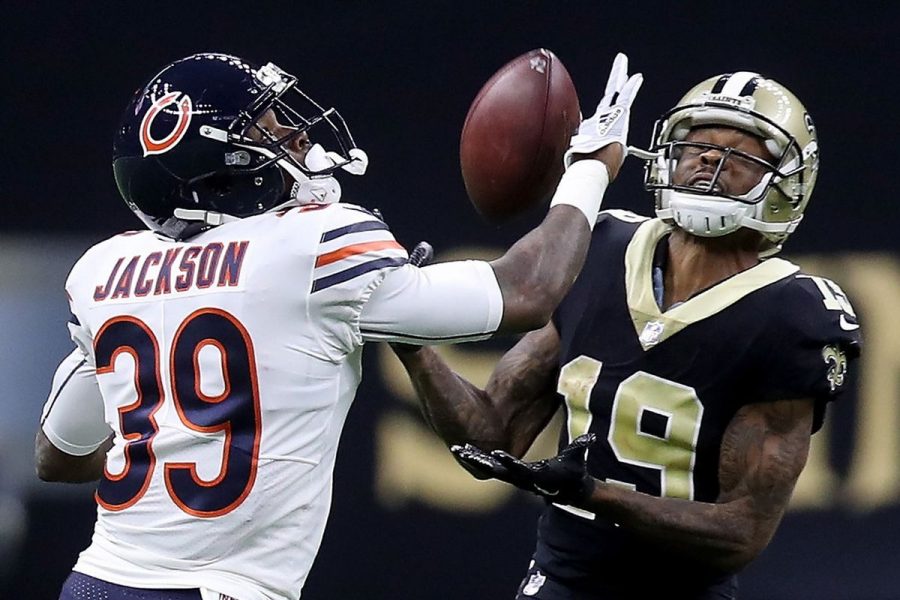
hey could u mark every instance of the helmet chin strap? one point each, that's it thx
(703, 215)
(322, 190)
(708, 215)
(204, 216)
(304, 190)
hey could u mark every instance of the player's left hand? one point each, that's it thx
(562, 479)
(609, 125)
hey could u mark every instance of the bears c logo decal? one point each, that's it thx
(152, 145)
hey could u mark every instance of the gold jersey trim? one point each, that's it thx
(654, 326)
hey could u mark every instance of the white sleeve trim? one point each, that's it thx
(73, 418)
(438, 304)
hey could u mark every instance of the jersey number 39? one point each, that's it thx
(233, 414)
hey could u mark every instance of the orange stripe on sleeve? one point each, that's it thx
(352, 250)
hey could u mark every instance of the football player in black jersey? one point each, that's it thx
(692, 366)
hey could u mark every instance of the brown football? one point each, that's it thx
(517, 130)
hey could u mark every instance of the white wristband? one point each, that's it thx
(582, 186)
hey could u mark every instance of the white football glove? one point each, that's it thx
(609, 124)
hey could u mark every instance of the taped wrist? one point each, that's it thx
(583, 186)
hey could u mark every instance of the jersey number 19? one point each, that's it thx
(672, 453)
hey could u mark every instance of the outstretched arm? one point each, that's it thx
(516, 404)
(763, 452)
(520, 290)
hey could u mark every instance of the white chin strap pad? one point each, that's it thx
(323, 190)
(712, 216)
(359, 161)
(703, 216)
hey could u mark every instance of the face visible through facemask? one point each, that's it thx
(300, 188)
(697, 165)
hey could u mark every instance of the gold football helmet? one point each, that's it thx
(757, 105)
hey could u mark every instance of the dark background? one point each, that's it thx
(403, 74)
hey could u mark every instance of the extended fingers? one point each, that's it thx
(475, 457)
(617, 75)
(421, 255)
(579, 444)
(630, 89)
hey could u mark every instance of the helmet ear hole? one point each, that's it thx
(217, 185)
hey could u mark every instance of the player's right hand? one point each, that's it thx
(421, 255)
(609, 124)
(562, 479)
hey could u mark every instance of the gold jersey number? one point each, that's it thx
(671, 448)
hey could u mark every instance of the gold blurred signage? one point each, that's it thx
(414, 465)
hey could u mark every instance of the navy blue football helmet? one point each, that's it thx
(191, 153)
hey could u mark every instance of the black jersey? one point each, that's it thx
(659, 389)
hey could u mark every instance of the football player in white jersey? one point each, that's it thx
(219, 351)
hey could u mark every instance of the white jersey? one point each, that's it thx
(227, 364)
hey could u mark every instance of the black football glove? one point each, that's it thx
(421, 255)
(562, 479)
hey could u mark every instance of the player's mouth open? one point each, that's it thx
(704, 181)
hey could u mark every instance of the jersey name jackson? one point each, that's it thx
(177, 270)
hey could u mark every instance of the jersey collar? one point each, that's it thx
(654, 326)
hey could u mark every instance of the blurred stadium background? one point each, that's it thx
(406, 522)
